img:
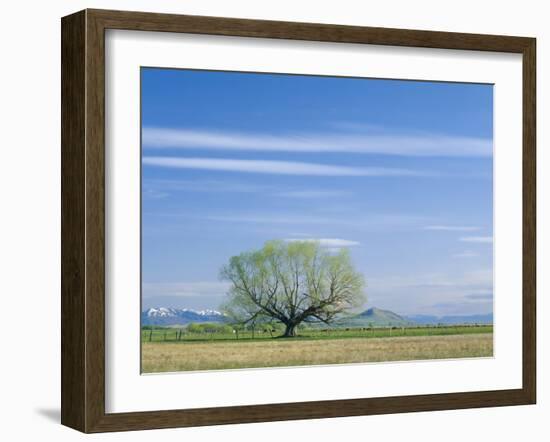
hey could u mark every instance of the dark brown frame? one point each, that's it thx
(83, 217)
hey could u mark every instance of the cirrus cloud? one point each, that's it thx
(332, 243)
(445, 228)
(477, 239)
(351, 142)
(277, 167)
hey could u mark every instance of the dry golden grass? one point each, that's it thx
(160, 357)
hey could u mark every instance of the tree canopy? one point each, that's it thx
(292, 282)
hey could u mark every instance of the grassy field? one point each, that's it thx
(313, 347)
(168, 334)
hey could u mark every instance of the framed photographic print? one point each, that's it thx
(270, 220)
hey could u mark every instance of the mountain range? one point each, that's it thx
(179, 316)
(164, 316)
(446, 320)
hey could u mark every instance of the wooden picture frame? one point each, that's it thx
(83, 220)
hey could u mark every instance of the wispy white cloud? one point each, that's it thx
(452, 228)
(472, 280)
(462, 308)
(165, 185)
(364, 143)
(360, 127)
(435, 293)
(481, 297)
(276, 167)
(466, 254)
(154, 194)
(332, 243)
(365, 222)
(313, 194)
(185, 289)
(477, 239)
(270, 219)
(160, 188)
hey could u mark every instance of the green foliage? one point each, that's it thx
(291, 283)
(208, 327)
(154, 327)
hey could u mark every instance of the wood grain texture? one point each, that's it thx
(73, 255)
(83, 220)
(95, 222)
(145, 21)
(529, 221)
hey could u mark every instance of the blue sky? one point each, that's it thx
(399, 172)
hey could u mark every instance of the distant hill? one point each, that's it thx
(449, 320)
(176, 316)
(376, 317)
(383, 318)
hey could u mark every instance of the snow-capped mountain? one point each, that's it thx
(172, 316)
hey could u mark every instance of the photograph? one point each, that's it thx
(269, 221)
(304, 220)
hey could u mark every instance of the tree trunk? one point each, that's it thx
(290, 331)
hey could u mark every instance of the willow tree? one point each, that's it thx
(291, 283)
